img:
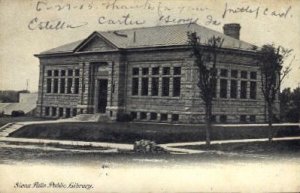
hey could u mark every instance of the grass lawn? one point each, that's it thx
(130, 132)
(263, 147)
(5, 120)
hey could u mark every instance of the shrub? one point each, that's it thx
(18, 113)
(147, 146)
(124, 117)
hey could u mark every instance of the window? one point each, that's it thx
(234, 73)
(60, 112)
(243, 118)
(214, 88)
(76, 86)
(223, 88)
(223, 118)
(49, 84)
(166, 70)
(176, 86)
(244, 74)
(68, 112)
(53, 111)
(253, 75)
(145, 86)
(70, 72)
(154, 86)
(175, 117)
(55, 88)
(135, 71)
(165, 86)
(77, 71)
(253, 90)
(135, 86)
(69, 85)
(213, 119)
(163, 117)
(47, 111)
(145, 71)
(74, 112)
(143, 115)
(62, 73)
(49, 72)
(243, 89)
(155, 71)
(62, 85)
(133, 115)
(224, 72)
(176, 81)
(233, 89)
(177, 71)
(55, 72)
(153, 116)
(252, 118)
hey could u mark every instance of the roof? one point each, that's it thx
(169, 35)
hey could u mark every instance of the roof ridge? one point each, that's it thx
(156, 26)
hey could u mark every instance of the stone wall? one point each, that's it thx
(117, 67)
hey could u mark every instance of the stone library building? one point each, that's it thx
(149, 73)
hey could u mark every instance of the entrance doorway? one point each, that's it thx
(102, 95)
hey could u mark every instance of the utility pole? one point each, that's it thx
(27, 84)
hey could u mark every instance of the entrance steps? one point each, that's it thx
(98, 117)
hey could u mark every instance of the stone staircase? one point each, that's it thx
(98, 117)
(9, 128)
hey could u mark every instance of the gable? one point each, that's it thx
(95, 44)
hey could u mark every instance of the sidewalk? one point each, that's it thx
(66, 142)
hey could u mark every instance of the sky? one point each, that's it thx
(24, 32)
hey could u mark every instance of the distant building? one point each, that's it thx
(27, 103)
(148, 72)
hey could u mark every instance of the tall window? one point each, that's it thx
(76, 86)
(223, 88)
(145, 81)
(253, 90)
(155, 81)
(165, 86)
(154, 86)
(135, 81)
(233, 89)
(54, 111)
(62, 85)
(55, 85)
(49, 85)
(47, 111)
(176, 81)
(166, 81)
(243, 89)
(135, 86)
(69, 85)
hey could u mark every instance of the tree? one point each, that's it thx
(290, 105)
(272, 75)
(285, 103)
(205, 59)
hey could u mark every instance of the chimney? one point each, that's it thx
(232, 30)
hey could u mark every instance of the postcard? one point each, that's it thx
(149, 96)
